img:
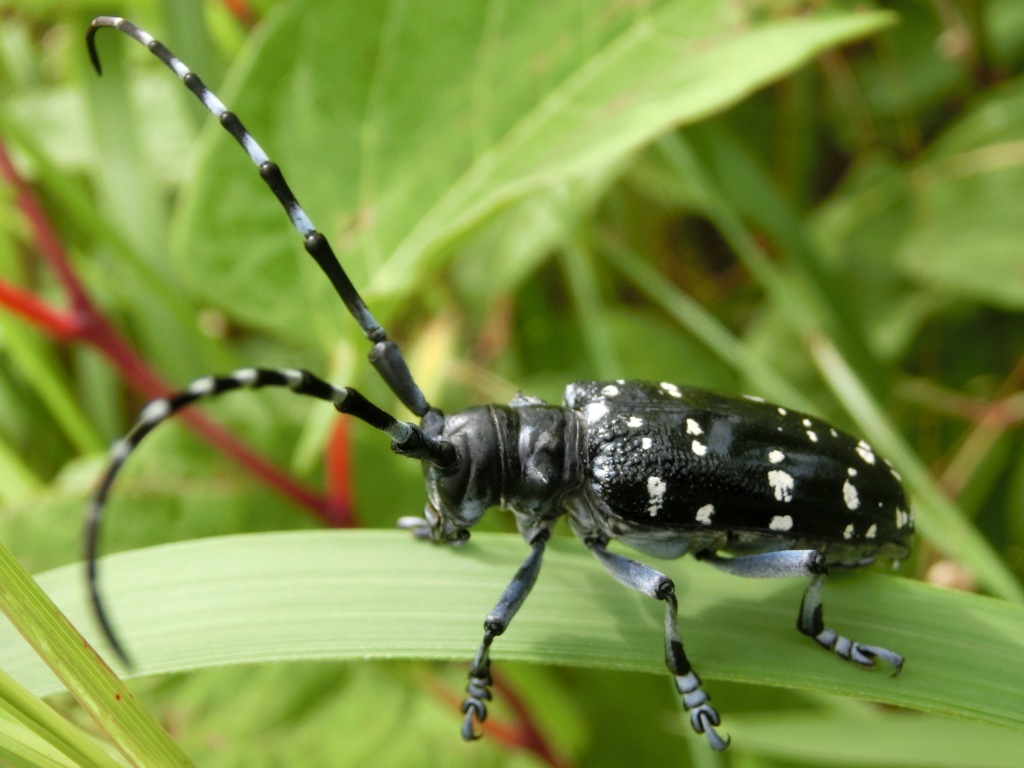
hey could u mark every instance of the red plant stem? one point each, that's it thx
(520, 734)
(338, 469)
(526, 734)
(242, 11)
(28, 306)
(84, 323)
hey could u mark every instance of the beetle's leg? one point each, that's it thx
(806, 562)
(474, 706)
(653, 583)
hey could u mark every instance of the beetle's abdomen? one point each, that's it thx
(661, 456)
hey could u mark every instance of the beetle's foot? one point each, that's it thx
(703, 716)
(704, 719)
(474, 706)
(475, 712)
(417, 526)
(862, 654)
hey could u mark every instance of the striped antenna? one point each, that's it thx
(407, 439)
(385, 355)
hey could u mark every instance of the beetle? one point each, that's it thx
(751, 488)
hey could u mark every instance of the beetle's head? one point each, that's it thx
(458, 495)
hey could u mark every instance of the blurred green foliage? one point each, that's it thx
(514, 227)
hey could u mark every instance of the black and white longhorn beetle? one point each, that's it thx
(752, 488)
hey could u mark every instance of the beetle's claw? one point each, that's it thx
(859, 653)
(474, 709)
(704, 719)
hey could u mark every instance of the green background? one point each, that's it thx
(818, 203)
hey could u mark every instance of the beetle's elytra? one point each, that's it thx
(752, 488)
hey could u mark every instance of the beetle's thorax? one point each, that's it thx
(524, 458)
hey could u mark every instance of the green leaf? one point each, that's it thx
(968, 197)
(63, 653)
(371, 594)
(400, 143)
(896, 738)
(400, 127)
(31, 733)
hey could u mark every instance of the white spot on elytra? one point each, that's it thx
(610, 391)
(812, 436)
(896, 475)
(698, 447)
(848, 532)
(806, 422)
(902, 518)
(781, 523)
(634, 421)
(704, 514)
(753, 398)
(670, 389)
(871, 532)
(851, 471)
(833, 432)
(850, 496)
(782, 411)
(782, 483)
(776, 456)
(693, 428)
(594, 412)
(645, 443)
(656, 490)
(865, 452)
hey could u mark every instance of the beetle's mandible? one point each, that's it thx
(751, 488)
